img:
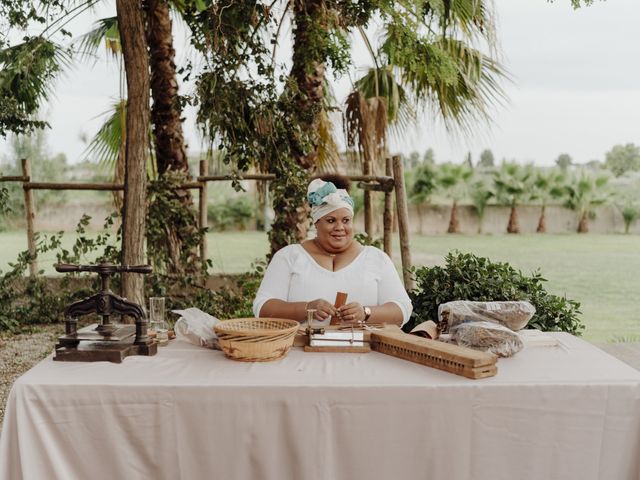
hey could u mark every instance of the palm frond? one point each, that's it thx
(105, 32)
(104, 147)
(447, 76)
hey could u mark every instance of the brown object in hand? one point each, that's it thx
(341, 299)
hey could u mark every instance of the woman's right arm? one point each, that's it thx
(280, 309)
(274, 285)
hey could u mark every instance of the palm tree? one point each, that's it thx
(453, 180)
(170, 238)
(584, 193)
(480, 195)
(423, 185)
(548, 185)
(630, 211)
(512, 185)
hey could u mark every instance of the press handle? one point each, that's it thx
(67, 267)
(135, 268)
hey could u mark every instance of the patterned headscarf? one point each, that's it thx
(325, 198)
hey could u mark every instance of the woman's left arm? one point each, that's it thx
(393, 304)
(354, 312)
(392, 297)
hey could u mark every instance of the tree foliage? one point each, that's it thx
(261, 115)
(486, 159)
(564, 161)
(623, 158)
(26, 72)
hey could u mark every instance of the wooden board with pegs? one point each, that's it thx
(433, 353)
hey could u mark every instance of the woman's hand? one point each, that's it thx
(323, 309)
(351, 313)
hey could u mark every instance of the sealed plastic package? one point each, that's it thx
(487, 336)
(512, 314)
(196, 326)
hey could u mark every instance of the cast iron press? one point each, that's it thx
(105, 341)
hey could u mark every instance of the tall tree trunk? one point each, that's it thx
(165, 112)
(308, 73)
(513, 226)
(454, 224)
(136, 63)
(169, 140)
(583, 224)
(542, 224)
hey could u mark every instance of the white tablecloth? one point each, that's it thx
(570, 412)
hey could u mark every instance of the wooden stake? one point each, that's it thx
(30, 213)
(403, 221)
(204, 171)
(387, 216)
(368, 204)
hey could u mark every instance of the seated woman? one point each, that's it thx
(308, 275)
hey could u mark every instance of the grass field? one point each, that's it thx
(600, 271)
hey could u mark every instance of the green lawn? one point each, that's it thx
(600, 271)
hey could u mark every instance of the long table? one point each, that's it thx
(567, 412)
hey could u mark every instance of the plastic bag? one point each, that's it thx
(514, 315)
(196, 326)
(487, 336)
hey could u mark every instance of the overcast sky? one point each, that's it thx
(575, 90)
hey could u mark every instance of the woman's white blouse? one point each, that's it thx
(294, 276)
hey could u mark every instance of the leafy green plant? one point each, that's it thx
(25, 300)
(468, 277)
(5, 207)
(173, 235)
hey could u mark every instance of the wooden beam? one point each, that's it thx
(72, 186)
(14, 179)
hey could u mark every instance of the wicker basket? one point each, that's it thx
(256, 339)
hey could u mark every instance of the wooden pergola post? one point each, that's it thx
(204, 171)
(387, 216)
(30, 213)
(403, 221)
